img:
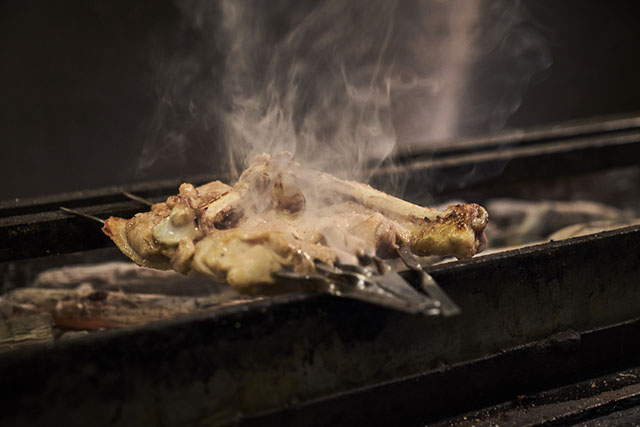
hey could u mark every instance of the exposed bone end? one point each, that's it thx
(479, 217)
(218, 213)
(479, 224)
(227, 218)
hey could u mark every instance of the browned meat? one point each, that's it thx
(280, 215)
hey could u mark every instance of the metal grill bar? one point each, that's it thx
(484, 168)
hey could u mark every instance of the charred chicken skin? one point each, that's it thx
(282, 216)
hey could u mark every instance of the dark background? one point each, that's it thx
(81, 85)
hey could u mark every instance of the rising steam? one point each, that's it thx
(323, 91)
(339, 83)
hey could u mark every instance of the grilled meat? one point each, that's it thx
(280, 215)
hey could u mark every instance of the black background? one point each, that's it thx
(81, 86)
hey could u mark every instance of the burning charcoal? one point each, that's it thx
(126, 277)
(25, 330)
(85, 308)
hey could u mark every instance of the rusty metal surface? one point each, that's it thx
(268, 355)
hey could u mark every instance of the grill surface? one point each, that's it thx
(267, 355)
(532, 319)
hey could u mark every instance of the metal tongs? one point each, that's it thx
(375, 282)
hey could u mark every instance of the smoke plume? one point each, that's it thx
(339, 84)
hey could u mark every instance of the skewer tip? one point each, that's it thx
(137, 198)
(81, 214)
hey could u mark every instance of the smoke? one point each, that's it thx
(479, 57)
(321, 92)
(339, 84)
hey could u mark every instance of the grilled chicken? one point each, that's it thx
(280, 215)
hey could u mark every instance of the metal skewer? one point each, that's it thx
(84, 215)
(137, 198)
(100, 220)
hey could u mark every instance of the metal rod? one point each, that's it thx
(137, 198)
(84, 215)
